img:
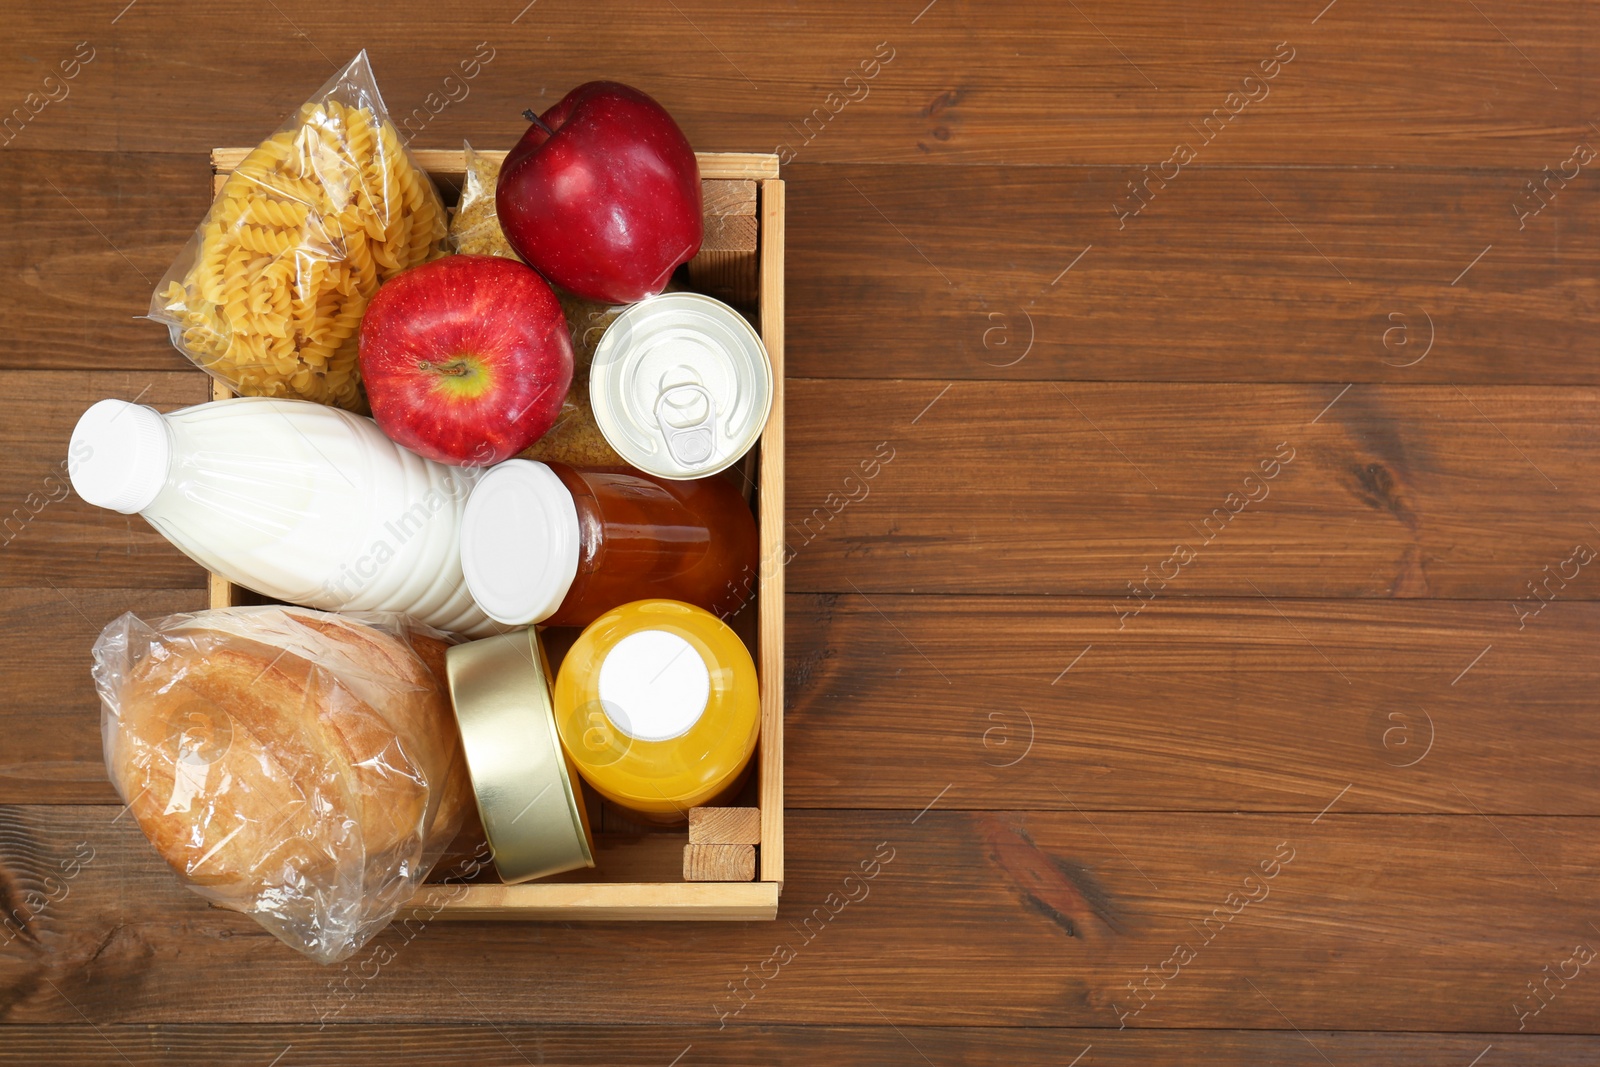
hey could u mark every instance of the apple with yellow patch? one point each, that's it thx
(467, 359)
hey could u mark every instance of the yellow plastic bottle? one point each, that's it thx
(658, 706)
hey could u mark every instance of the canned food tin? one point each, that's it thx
(681, 385)
(527, 791)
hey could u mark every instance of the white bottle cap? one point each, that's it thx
(654, 686)
(519, 542)
(119, 456)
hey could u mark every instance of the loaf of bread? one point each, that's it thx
(296, 765)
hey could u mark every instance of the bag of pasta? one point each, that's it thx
(269, 292)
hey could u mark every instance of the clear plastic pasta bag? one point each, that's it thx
(268, 294)
(474, 224)
(298, 766)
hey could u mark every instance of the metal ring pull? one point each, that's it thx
(694, 442)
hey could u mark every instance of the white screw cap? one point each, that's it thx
(519, 542)
(119, 456)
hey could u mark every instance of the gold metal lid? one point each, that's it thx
(527, 792)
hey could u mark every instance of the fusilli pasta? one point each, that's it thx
(300, 237)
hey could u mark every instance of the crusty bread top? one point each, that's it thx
(267, 747)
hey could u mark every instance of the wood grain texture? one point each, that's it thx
(728, 196)
(718, 863)
(630, 903)
(1044, 919)
(724, 826)
(49, 534)
(737, 1045)
(1039, 487)
(953, 279)
(964, 82)
(774, 460)
(1196, 705)
(50, 717)
(732, 277)
(729, 233)
(1199, 705)
(86, 245)
(1356, 225)
(1228, 274)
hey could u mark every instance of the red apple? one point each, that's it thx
(466, 359)
(602, 194)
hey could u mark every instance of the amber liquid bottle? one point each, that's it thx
(553, 544)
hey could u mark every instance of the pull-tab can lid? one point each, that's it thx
(681, 385)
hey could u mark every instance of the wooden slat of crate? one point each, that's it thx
(729, 233)
(732, 277)
(728, 196)
(719, 863)
(602, 902)
(770, 603)
(724, 826)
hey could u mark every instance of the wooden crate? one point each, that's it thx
(638, 872)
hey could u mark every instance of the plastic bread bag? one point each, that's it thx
(298, 766)
(268, 293)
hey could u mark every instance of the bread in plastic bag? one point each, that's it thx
(269, 292)
(298, 766)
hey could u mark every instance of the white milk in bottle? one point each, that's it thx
(305, 503)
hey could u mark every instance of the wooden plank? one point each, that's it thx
(732, 277)
(603, 902)
(724, 826)
(774, 541)
(728, 196)
(991, 487)
(745, 166)
(1376, 431)
(719, 863)
(1314, 275)
(1210, 283)
(1043, 920)
(959, 84)
(1198, 705)
(730, 233)
(737, 1045)
(50, 717)
(619, 858)
(48, 535)
(87, 244)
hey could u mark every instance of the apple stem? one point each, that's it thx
(533, 117)
(455, 368)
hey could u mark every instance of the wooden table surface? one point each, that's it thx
(1211, 662)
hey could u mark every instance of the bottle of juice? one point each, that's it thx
(547, 543)
(658, 705)
(302, 502)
